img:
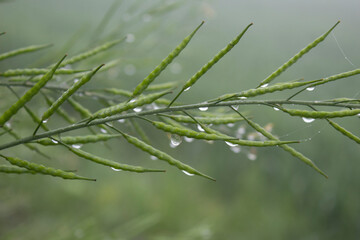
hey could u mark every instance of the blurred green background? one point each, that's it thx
(274, 197)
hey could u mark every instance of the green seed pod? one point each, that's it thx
(291, 150)
(38, 168)
(293, 60)
(163, 156)
(68, 93)
(23, 50)
(321, 114)
(147, 99)
(151, 77)
(344, 131)
(59, 110)
(84, 112)
(28, 95)
(161, 86)
(205, 120)
(110, 163)
(13, 169)
(211, 63)
(37, 71)
(78, 139)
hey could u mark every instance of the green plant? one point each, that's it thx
(166, 115)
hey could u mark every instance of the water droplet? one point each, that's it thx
(77, 146)
(187, 89)
(7, 124)
(132, 100)
(130, 69)
(276, 109)
(187, 139)
(310, 89)
(308, 120)
(116, 169)
(54, 141)
(146, 17)
(137, 109)
(264, 85)
(175, 140)
(243, 98)
(121, 120)
(236, 149)
(251, 156)
(103, 130)
(175, 68)
(236, 107)
(130, 38)
(45, 121)
(358, 115)
(152, 157)
(200, 128)
(230, 125)
(231, 144)
(203, 109)
(76, 80)
(187, 173)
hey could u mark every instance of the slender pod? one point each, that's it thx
(78, 139)
(321, 114)
(59, 110)
(38, 168)
(264, 90)
(162, 155)
(151, 77)
(161, 86)
(211, 63)
(23, 50)
(28, 95)
(205, 120)
(37, 71)
(291, 150)
(110, 163)
(297, 56)
(92, 52)
(13, 169)
(50, 111)
(344, 131)
(147, 99)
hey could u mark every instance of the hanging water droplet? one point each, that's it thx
(236, 149)
(116, 169)
(130, 38)
(175, 68)
(243, 97)
(231, 144)
(175, 140)
(310, 89)
(54, 141)
(130, 69)
(230, 125)
(7, 124)
(187, 139)
(152, 157)
(187, 89)
(187, 173)
(121, 120)
(308, 120)
(203, 109)
(137, 109)
(132, 100)
(76, 80)
(77, 146)
(146, 17)
(45, 121)
(251, 156)
(264, 85)
(276, 109)
(200, 128)
(103, 130)
(236, 107)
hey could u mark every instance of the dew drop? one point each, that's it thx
(130, 38)
(236, 107)
(358, 115)
(176, 68)
(264, 85)
(7, 124)
(308, 120)
(203, 109)
(54, 141)
(77, 146)
(310, 89)
(45, 121)
(200, 128)
(76, 80)
(175, 140)
(276, 109)
(243, 98)
(251, 156)
(236, 149)
(103, 130)
(132, 100)
(231, 144)
(116, 169)
(187, 173)
(130, 69)
(121, 120)
(187, 89)
(146, 17)
(187, 139)
(230, 125)
(137, 109)
(152, 157)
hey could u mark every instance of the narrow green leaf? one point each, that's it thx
(19, 51)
